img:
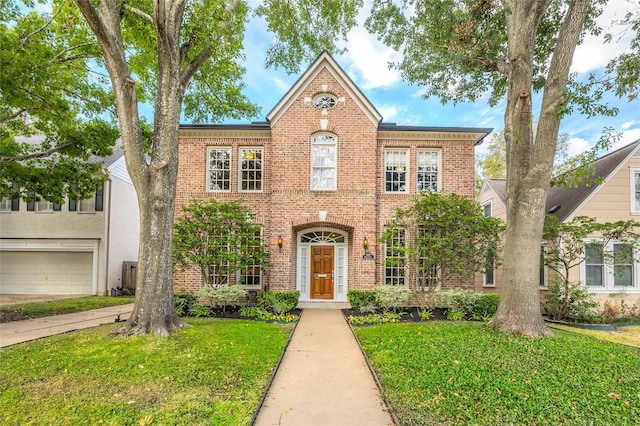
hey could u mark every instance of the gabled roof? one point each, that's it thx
(322, 62)
(499, 187)
(571, 200)
(567, 201)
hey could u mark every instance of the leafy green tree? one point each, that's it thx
(444, 235)
(219, 239)
(462, 50)
(180, 53)
(493, 164)
(564, 249)
(53, 116)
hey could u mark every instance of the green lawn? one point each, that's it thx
(57, 307)
(452, 373)
(213, 373)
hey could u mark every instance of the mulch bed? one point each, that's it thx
(8, 315)
(408, 314)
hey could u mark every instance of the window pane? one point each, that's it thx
(88, 205)
(395, 260)
(323, 162)
(637, 191)
(5, 205)
(396, 171)
(623, 265)
(251, 169)
(427, 163)
(219, 169)
(594, 266)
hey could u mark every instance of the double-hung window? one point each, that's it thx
(395, 259)
(489, 275)
(611, 269)
(219, 169)
(251, 275)
(594, 266)
(622, 265)
(323, 162)
(5, 204)
(427, 274)
(251, 169)
(395, 165)
(635, 189)
(428, 165)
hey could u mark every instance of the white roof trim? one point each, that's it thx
(596, 190)
(324, 61)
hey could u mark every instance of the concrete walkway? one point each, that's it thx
(15, 332)
(323, 379)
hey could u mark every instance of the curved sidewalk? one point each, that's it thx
(15, 332)
(323, 379)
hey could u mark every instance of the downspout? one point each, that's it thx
(107, 235)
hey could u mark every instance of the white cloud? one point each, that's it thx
(370, 60)
(628, 124)
(577, 146)
(628, 136)
(593, 53)
(388, 112)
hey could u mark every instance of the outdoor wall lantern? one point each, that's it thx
(365, 245)
(280, 242)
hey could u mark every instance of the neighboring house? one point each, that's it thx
(73, 248)
(617, 198)
(324, 175)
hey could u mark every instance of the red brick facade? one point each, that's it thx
(358, 206)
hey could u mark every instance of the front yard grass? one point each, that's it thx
(468, 373)
(213, 373)
(57, 307)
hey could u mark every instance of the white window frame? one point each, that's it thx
(399, 279)
(634, 203)
(242, 151)
(239, 273)
(43, 206)
(544, 282)
(209, 169)
(395, 166)
(334, 145)
(492, 284)
(87, 205)
(5, 204)
(438, 170)
(608, 278)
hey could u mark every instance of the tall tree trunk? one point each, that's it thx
(530, 160)
(155, 182)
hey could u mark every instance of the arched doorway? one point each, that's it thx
(322, 265)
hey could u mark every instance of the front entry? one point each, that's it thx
(322, 272)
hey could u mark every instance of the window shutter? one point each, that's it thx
(31, 205)
(15, 203)
(72, 203)
(99, 195)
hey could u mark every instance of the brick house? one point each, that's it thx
(324, 175)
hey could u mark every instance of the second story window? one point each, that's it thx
(428, 164)
(323, 163)
(5, 204)
(219, 169)
(251, 168)
(44, 206)
(395, 166)
(635, 190)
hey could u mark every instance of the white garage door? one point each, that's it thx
(38, 272)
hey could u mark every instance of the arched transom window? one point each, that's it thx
(323, 162)
(326, 237)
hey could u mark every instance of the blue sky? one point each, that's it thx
(366, 63)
